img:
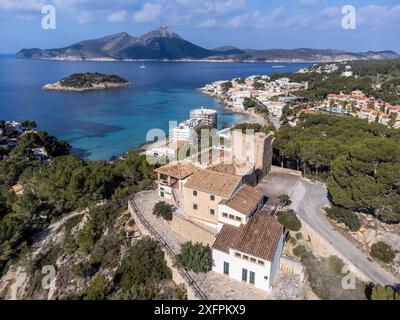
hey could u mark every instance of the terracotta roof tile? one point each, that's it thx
(212, 182)
(245, 200)
(259, 237)
(178, 170)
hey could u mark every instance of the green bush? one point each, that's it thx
(289, 220)
(299, 251)
(142, 269)
(384, 293)
(348, 217)
(181, 292)
(383, 252)
(194, 257)
(98, 289)
(299, 236)
(163, 210)
(285, 200)
(81, 269)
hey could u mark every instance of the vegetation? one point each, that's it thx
(88, 80)
(383, 252)
(326, 276)
(143, 269)
(380, 292)
(289, 220)
(226, 86)
(181, 292)
(360, 161)
(348, 217)
(163, 210)
(194, 257)
(284, 200)
(66, 184)
(98, 289)
(299, 251)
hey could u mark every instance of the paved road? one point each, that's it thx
(307, 199)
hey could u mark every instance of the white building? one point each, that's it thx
(249, 244)
(169, 151)
(207, 116)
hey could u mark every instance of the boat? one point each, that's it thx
(143, 66)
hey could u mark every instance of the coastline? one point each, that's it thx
(104, 86)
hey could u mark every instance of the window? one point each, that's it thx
(194, 193)
(225, 215)
(253, 259)
(237, 254)
(238, 219)
(212, 212)
(245, 257)
(194, 206)
(212, 197)
(231, 216)
(252, 277)
(226, 268)
(244, 275)
(162, 194)
(261, 262)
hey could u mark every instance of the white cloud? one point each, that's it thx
(278, 18)
(118, 16)
(22, 5)
(85, 17)
(151, 12)
(208, 23)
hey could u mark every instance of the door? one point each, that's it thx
(226, 268)
(244, 275)
(252, 277)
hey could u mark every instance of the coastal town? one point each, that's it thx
(232, 221)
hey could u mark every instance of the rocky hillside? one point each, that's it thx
(164, 44)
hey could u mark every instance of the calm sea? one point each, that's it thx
(103, 124)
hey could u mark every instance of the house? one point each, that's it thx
(204, 190)
(41, 154)
(169, 151)
(251, 251)
(18, 189)
(240, 207)
(171, 177)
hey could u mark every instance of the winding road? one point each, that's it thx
(308, 199)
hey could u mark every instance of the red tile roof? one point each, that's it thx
(259, 237)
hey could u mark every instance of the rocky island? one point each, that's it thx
(88, 81)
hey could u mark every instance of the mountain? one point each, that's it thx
(164, 44)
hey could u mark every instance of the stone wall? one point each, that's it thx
(177, 275)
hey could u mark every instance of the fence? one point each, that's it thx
(155, 235)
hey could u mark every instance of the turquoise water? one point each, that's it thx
(103, 124)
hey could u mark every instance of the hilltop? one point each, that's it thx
(164, 44)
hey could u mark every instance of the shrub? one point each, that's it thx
(299, 236)
(81, 269)
(181, 292)
(164, 210)
(348, 217)
(383, 252)
(194, 257)
(289, 220)
(299, 251)
(285, 200)
(98, 288)
(384, 293)
(142, 269)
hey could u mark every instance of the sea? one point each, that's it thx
(104, 124)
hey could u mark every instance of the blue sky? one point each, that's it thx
(258, 24)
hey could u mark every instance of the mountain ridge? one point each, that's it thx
(165, 44)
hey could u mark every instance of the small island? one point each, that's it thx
(88, 81)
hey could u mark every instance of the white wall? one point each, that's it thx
(228, 210)
(235, 269)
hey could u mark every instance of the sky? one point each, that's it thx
(246, 24)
